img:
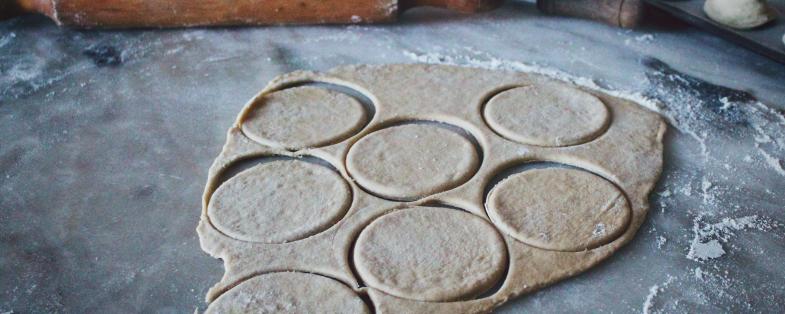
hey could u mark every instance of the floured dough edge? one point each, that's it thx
(241, 259)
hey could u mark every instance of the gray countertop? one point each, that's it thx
(107, 137)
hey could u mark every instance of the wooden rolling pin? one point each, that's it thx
(621, 13)
(185, 13)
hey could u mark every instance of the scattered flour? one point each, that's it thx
(599, 230)
(479, 59)
(774, 163)
(701, 251)
(698, 273)
(686, 190)
(645, 38)
(648, 304)
(5, 40)
(661, 242)
(708, 238)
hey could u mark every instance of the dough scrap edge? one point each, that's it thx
(239, 147)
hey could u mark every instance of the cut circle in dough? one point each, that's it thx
(430, 254)
(289, 292)
(411, 161)
(548, 114)
(559, 209)
(303, 117)
(279, 201)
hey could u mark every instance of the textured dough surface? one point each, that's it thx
(739, 14)
(279, 201)
(559, 209)
(302, 117)
(289, 292)
(410, 161)
(418, 220)
(430, 254)
(546, 115)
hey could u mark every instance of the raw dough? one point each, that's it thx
(430, 254)
(279, 201)
(409, 161)
(289, 292)
(740, 14)
(399, 253)
(302, 117)
(546, 115)
(559, 209)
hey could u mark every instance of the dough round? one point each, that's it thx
(279, 201)
(430, 254)
(548, 114)
(739, 14)
(410, 161)
(559, 209)
(303, 117)
(289, 292)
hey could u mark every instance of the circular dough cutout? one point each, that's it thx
(303, 117)
(289, 292)
(559, 209)
(279, 201)
(411, 161)
(430, 254)
(549, 114)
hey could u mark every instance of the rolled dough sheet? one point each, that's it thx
(465, 188)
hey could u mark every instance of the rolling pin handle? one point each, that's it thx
(620, 13)
(14, 8)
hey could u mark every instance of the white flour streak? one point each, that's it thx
(648, 304)
(661, 242)
(774, 163)
(5, 40)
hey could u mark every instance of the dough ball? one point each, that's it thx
(303, 117)
(559, 209)
(411, 161)
(279, 201)
(288, 292)
(740, 14)
(430, 254)
(549, 114)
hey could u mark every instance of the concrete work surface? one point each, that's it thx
(107, 137)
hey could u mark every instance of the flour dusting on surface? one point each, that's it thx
(708, 238)
(648, 303)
